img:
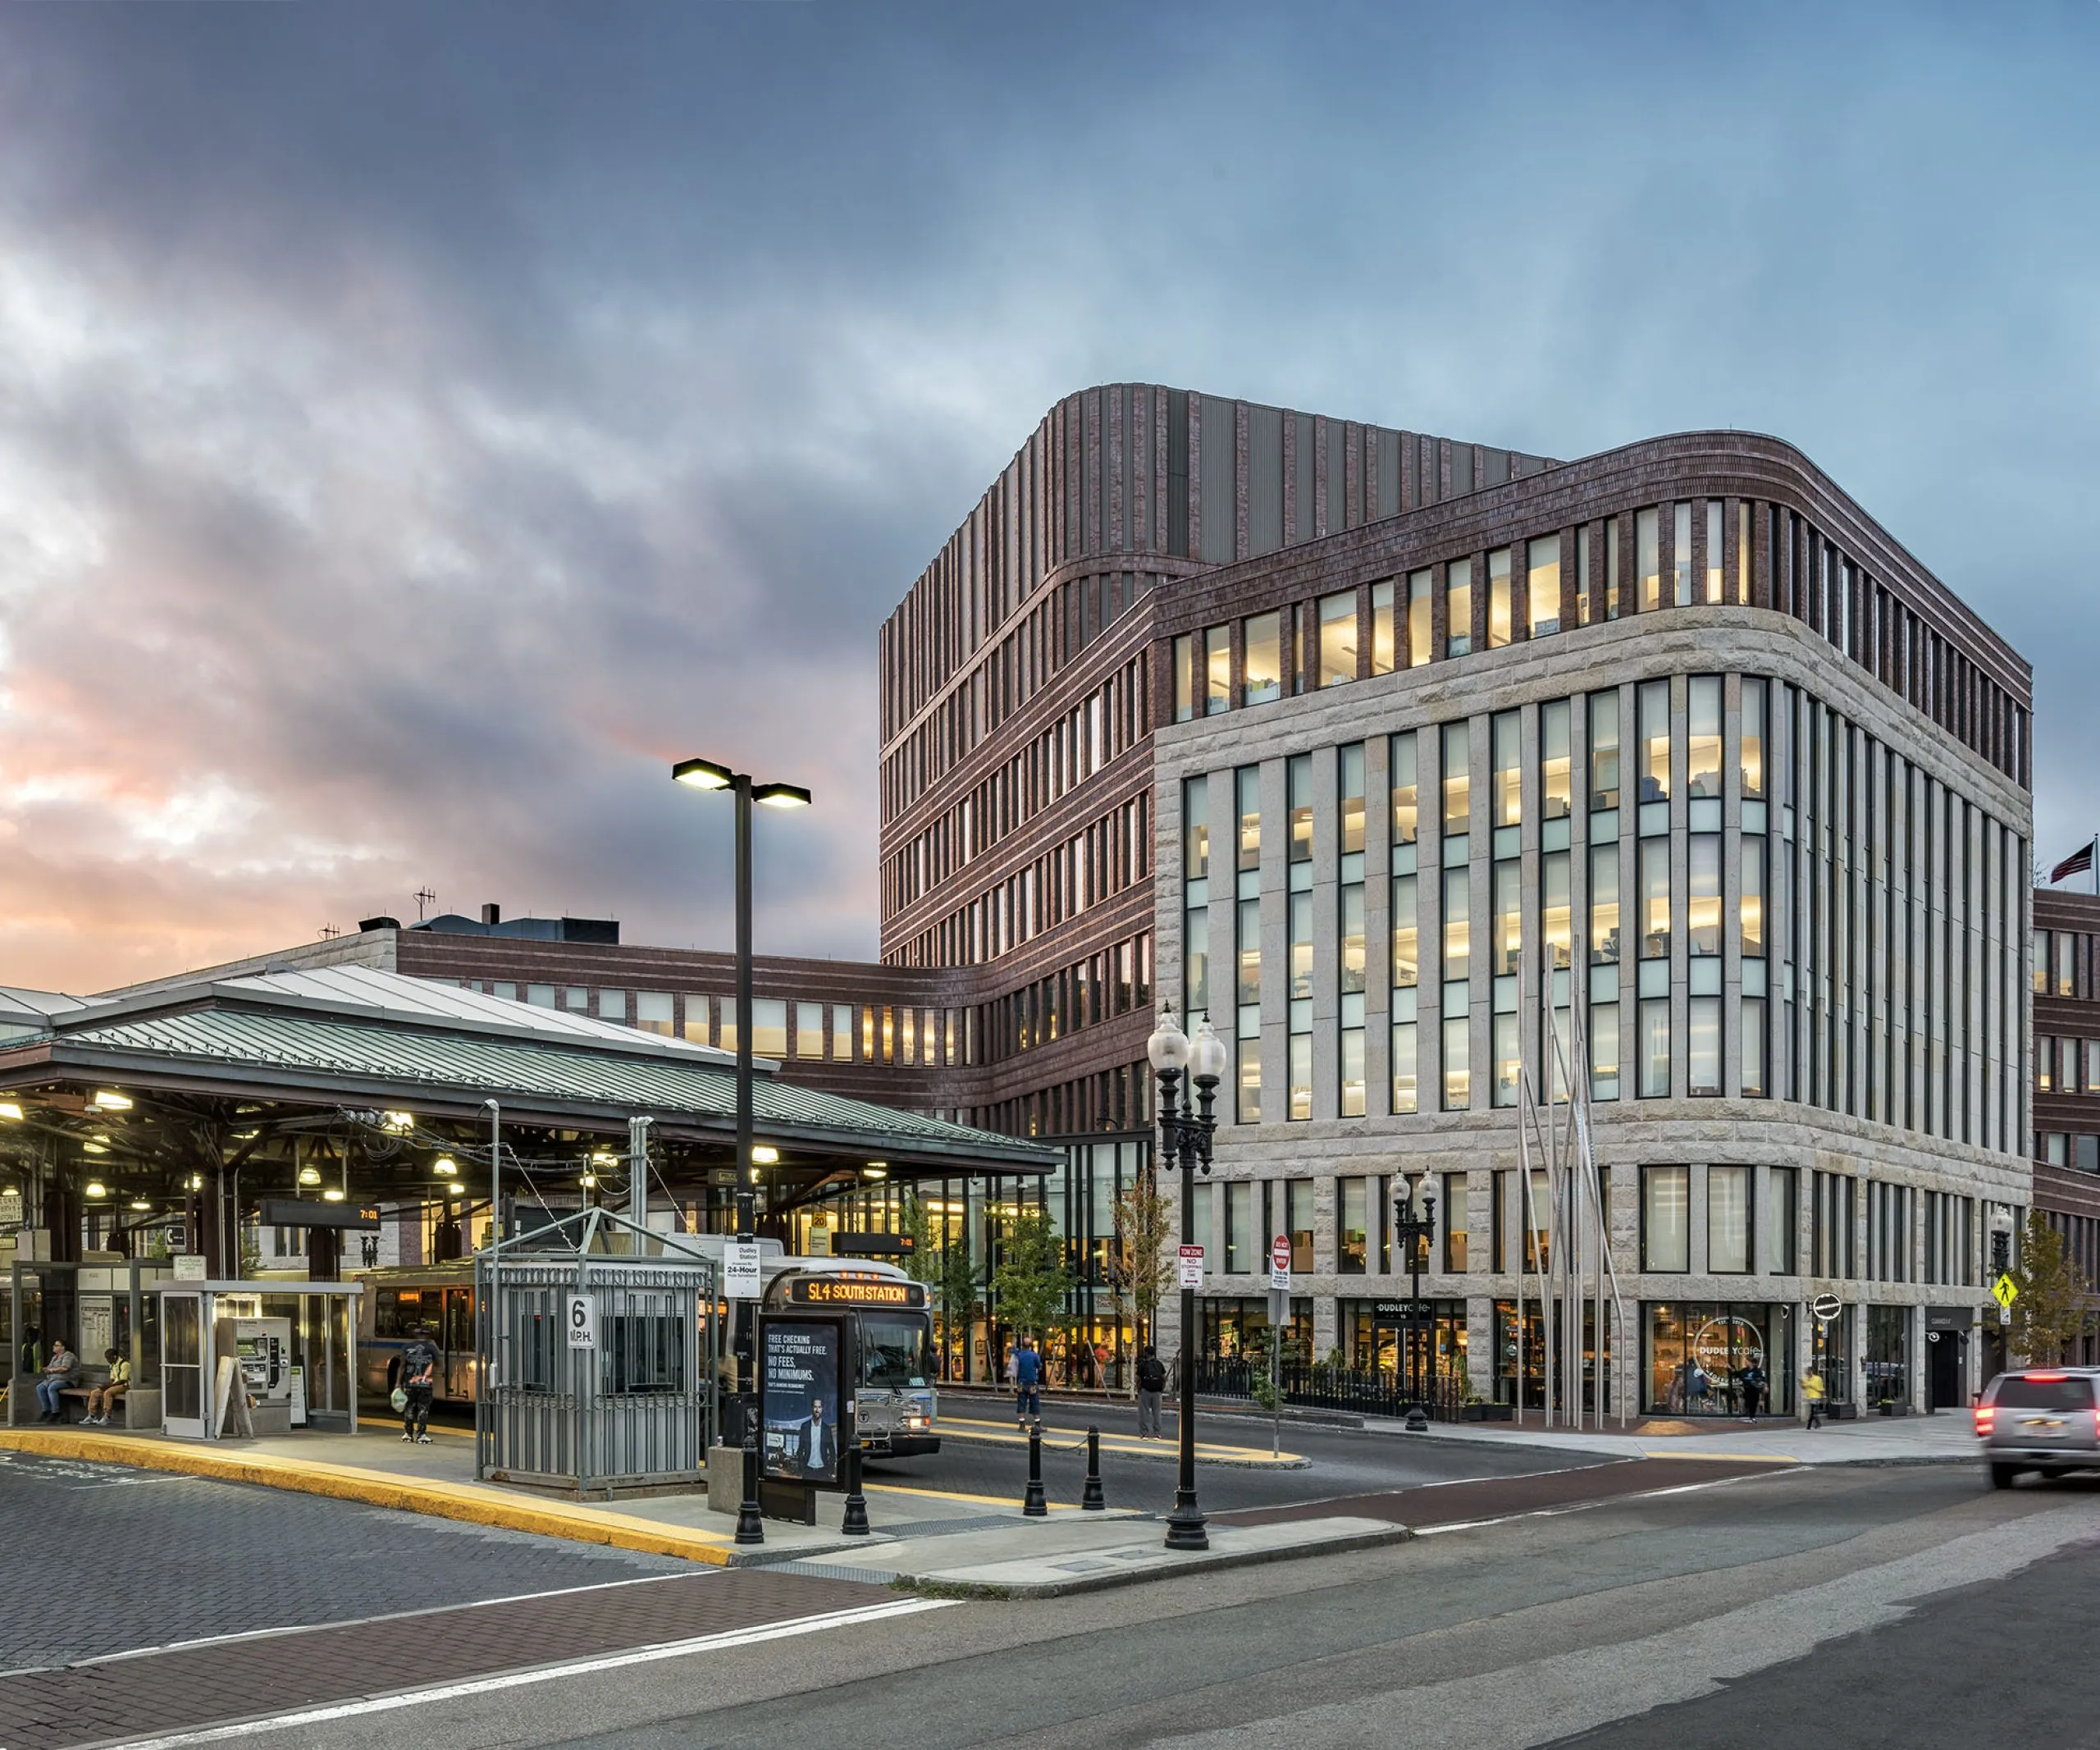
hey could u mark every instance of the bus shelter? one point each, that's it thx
(96, 1308)
(599, 1343)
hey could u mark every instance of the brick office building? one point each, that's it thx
(2066, 1058)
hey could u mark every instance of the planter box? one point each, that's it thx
(1486, 1412)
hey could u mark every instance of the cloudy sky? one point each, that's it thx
(419, 424)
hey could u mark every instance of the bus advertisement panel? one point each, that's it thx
(802, 1362)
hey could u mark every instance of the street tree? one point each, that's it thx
(1142, 1266)
(941, 1263)
(2049, 1314)
(1031, 1280)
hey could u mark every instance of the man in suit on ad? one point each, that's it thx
(813, 1448)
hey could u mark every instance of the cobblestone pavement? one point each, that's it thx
(106, 1559)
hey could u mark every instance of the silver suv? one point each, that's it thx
(2040, 1419)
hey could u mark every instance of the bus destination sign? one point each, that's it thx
(846, 1291)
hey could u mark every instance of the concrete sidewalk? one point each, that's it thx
(928, 1539)
(1948, 1438)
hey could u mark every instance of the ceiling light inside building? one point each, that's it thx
(445, 1167)
(309, 1176)
(140, 1204)
(874, 1170)
(109, 1100)
(94, 1148)
(332, 1195)
(12, 1111)
(400, 1123)
(587, 1181)
(604, 1157)
(765, 1154)
(95, 1188)
(196, 1181)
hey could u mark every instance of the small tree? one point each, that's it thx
(1141, 1266)
(943, 1266)
(922, 1262)
(2049, 1313)
(1031, 1280)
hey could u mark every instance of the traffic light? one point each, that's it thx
(2000, 1254)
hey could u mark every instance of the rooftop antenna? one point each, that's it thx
(329, 932)
(424, 897)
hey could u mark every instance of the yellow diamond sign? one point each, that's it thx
(2005, 1291)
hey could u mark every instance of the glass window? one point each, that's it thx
(1195, 828)
(1603, 905)
(1218, 670)
(1458, 1067)
(1406, 1094)
(1505, 1041)
(1264, 659)
(1338, 639)
(1455, 1224)
(1247, 787)
(1301, 1077)
(1666, 1218)
(1655, 899)
(1498, 598)
(1184, 677)
(1583, 579)
(1611, 567)
(768, 1027)
(1554, 775)
(1239, 1227)
(1509, 916)
(1407, 935)
(1249, 993)
(1351, 909)
(1384, 645)
(1702, 751)
(1703, 1022)
(1702, 903)
(1779, 1220)
(1604, 1052)
(653, 1011)
(1301, 946)
(696, 1018)
(1648, 559)
(539, 996)
(1654, 1019)
(1420, 585)
(1195, 960)
(1352, 1063)
(1655, 741)
(1458, 777)
(1603, 750)
(1407, 794)
(1681, 540)
(1542, 585)
(1749, 913)
(1712, 550)
(809, 1030)
(1727, 1220)
(1299, 776)
(612, 1005)
(1458, 607)
(1753, 1047)
(1753, 738)
(1458, 926)
(1742, 553)
(1352, 1226)
(1507, 745)
(1348, 764)
(1554, 909)
(1250, 1081)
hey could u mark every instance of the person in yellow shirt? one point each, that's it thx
(1812, 1393)
(107, 1396)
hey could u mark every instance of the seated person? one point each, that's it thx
(110, 1393)
(57, 1374)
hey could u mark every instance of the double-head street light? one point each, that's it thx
(705, 774)
(1414, 1226)
(1185, 1130)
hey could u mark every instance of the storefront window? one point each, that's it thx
(1717, 1359)
(1886, 1377)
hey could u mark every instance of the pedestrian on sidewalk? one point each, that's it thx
(1028, 1382)
(1812, 1394)
(1152, 1384)
(1751, 1380)
(419, 1382)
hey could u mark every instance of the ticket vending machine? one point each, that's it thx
(261, 1350)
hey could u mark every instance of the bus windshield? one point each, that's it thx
(892, 1352)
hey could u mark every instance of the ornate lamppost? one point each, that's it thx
(1415, 1225)
(1184, 1137)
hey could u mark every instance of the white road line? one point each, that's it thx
(1603, 1501)
(380, 1704)
(353, 1622)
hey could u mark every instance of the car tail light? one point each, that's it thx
(1987, 1415)
(2047, 1376)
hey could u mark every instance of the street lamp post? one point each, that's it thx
(1184, 1137)
(1414, 1230)
(706, 775)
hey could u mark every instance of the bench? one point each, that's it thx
(119, 1417)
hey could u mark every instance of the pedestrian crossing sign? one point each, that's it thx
(2005, 1291)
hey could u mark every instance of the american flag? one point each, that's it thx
(2078, 862)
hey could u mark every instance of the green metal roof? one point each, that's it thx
(363, 1060)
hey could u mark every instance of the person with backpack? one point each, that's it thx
(1028, 1382)
(1151, 1386)
(419, 1383)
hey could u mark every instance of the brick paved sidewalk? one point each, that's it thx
(188, 1688)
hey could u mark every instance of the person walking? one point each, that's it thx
(1152, 1386)
(1752, 1382)
(419, 1382)
(1812, 1394)
(1028, 1383)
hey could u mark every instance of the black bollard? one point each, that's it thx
(1090, 1500)
(855, 1521)
(1032, 1504)
(751, 1525)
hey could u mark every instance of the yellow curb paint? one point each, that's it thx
(468, 1504)
(998, 1434)
(979, 1501)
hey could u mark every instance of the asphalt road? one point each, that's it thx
(1831, 1607)
(1345, 1462)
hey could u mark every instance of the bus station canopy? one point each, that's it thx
(157, 1086)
